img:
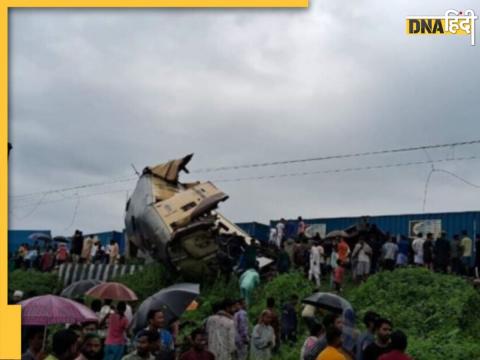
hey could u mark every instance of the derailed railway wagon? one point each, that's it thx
(177, 223)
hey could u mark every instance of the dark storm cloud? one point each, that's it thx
(93, 91)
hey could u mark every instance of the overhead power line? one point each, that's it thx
(429, 177)
(296, 174)
(253, 165)
(330, 157)
(75, 197)
(351, 169)
(78, 187)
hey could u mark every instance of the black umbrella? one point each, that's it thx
(39, 237)
(78, 289)
(172, 300)
(61, 239)
(328, 301)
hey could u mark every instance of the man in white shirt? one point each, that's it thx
(389, 254)
(280, 232)
(361, 253)
(417, 247)
(316, 253)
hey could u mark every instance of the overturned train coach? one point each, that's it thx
(177, 224)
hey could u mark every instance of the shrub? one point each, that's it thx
(32, 283)
(437, 311)
(151, 279)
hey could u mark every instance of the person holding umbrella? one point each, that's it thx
(116, 333)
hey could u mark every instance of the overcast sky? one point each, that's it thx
(94, 91)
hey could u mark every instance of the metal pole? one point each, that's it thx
(44, 338)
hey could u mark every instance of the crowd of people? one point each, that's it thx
(331, 257)
(227, 333)
(82, 249)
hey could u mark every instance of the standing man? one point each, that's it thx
(77, 246)
(362, 253)
(456, 252)
(248, 282)
(87, 250)
(241, 330)
(389, 254)
(290, 321)
(272, 237)
(316, 253)
(275, 323)
(142, 346)
(417, 247)
(367, 337)
(467, 247)
(334, 345)
(403, 251)
(221, 332)
(383, 329)
(398, 346)
(441, 253)
(65, 346)
(428, 252)
(197, 351)
(92, 348)
(156, 322)
(114, 252)
(280, 232)
(301, 227)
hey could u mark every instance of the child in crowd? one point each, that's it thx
(339, 274)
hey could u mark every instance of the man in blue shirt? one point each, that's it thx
(156, 321)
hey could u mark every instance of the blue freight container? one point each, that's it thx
(256, 230)
(451, 222)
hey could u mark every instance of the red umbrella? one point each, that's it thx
(112, 291)
(51, 309)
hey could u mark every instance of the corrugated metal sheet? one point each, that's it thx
(452, 222)
(256, 230)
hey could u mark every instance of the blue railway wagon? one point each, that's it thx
(18, 237)
(256, 230)
(450, 222)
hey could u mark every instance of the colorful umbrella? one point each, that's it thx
(51, 309)
(112, 291)
(79, 288)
